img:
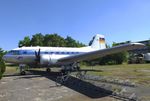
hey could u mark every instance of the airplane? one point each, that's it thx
(64, 57)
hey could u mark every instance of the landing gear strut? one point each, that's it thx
(22, 69)
(71, 68)
(66, 71)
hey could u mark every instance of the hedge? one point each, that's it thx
(2, 68)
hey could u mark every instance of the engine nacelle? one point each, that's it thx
(48, 59)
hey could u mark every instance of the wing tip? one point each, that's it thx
(137, 44)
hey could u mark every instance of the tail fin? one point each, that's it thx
(98, 42)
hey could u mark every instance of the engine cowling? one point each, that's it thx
(48, 59)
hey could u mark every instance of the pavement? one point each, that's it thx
(41, 86)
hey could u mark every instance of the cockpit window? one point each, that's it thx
(13, 52)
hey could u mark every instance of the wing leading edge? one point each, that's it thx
(101, 53)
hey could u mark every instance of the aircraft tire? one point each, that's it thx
(78, 68)
(48, 70)
(23, 73)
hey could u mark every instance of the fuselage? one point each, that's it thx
(48, 55)
(51, 55)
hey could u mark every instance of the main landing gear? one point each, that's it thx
(66, 72)
(70, 68)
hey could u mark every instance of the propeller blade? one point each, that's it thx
(37, 55)
(39, 52)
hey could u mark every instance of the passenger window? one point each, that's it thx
(24, 52)
(51, 52)
(15, 52)
(46, 52)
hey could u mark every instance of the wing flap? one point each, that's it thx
(101, 53)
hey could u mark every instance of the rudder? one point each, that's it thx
(98, 42)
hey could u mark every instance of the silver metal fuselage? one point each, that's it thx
(49, 55)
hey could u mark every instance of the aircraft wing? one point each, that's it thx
(102, 52)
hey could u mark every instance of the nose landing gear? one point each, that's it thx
(23, 73)
(22, 69)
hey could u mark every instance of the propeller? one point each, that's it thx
(37, 56)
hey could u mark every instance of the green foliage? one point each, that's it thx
(25, 42)
(148, 45)
(2, 66)
(2, 63)
(37, 40)
(116, 44)
(113, 59)
(53, 40)
(70, 42)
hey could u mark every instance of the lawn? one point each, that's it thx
(11, 69)
(138, 73)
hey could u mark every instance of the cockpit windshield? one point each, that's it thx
(13, 52)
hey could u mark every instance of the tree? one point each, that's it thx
(37, 40)
(70, 42)
(25, 42)
(120, 57)
(54, 40)
(2, 63)
(148, 45)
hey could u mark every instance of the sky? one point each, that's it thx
(118, 20)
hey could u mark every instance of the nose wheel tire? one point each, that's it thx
(23, 73)
(48, 70)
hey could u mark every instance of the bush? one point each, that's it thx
(2, 68)
(0, 75)
(2, 63)
(113, 59)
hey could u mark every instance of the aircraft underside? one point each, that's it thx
(69, 67)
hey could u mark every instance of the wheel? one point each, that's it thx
(48, 70)
(23, 73)
(78, 68)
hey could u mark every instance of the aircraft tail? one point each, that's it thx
(98, 42)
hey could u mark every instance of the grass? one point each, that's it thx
(145, 98)
(138, 73)
(11, 69)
